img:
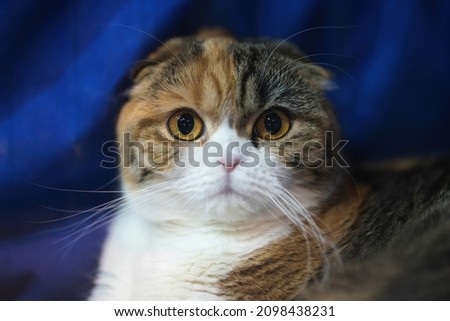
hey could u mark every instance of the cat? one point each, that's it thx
(275, 217)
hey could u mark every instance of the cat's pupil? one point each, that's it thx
(273, 123)
(186, 123)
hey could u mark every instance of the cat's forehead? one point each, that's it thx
(221, 78)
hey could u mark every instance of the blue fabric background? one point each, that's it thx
(63, 71)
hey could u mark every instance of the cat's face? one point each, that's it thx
(228, 130)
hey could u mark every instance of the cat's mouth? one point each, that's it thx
(227, 191)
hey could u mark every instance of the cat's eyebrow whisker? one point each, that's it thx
(161, 42)
(324, 64)
(297, 34)
(278, 75)
(327, 54)
(147, 34)
(315, 55)
(341, 70)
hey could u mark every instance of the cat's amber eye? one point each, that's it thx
(185, 124)
(272, 125)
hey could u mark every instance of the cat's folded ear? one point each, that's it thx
(316, 74)
(319, 76)
(168, 50)
(208, 33)
(172, 48)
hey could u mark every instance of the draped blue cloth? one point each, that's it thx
(63, 74)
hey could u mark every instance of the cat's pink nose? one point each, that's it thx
(230, 163)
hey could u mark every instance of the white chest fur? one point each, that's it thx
(173, 261)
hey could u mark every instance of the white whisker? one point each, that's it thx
(297, 34)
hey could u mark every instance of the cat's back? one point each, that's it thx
(400, 246)
(402, 194)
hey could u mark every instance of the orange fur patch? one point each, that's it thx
(205, 84)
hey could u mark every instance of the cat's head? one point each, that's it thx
(228, 130)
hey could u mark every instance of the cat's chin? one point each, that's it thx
(227, 192)
(232, 206)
